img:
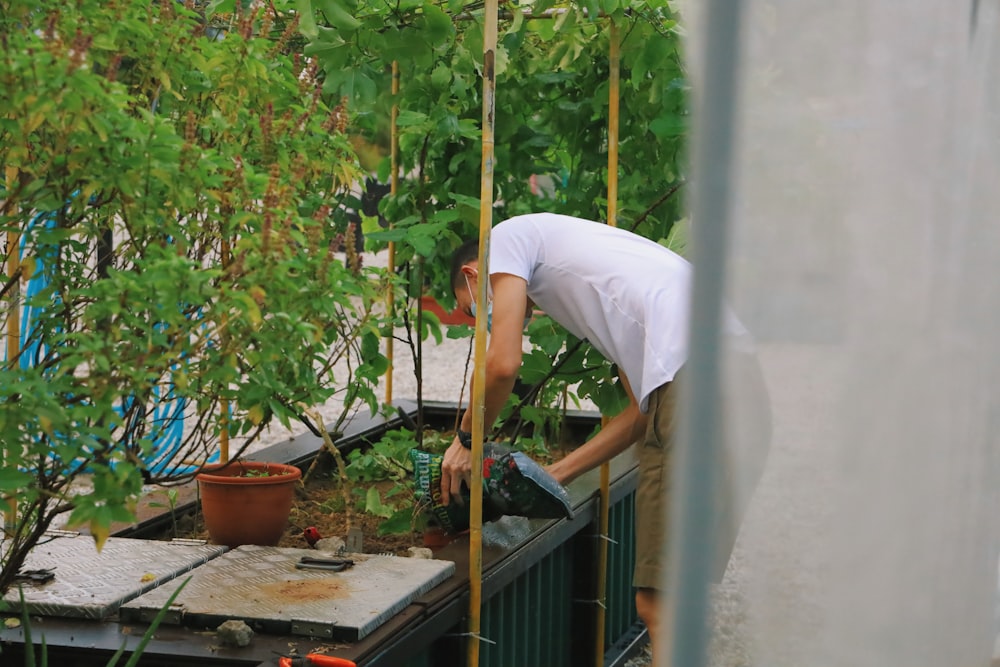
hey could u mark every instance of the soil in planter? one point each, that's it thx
(320, 504)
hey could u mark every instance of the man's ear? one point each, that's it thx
(469, 271)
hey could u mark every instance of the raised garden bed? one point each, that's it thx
(532, 569)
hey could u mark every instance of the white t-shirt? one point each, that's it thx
(625, 294)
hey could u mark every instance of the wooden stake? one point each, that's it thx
(393, 187)
(224, 403)
(614, 59)
(479, 371)
(13, 265)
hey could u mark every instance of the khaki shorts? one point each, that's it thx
(750, 417)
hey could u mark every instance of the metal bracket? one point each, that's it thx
(42, 576)
(332, 564)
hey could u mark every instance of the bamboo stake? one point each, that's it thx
(393, 187)
(13, 264)
(614, 67)
(479, 371)
(224, 403)
(13, 298)
(614, 60)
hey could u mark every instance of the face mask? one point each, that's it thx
(489, 310)
(489, 314)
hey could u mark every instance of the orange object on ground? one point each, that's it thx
(317, 659)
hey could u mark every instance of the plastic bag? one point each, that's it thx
(513, 484)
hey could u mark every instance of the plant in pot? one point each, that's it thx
(173, 270)
(247, 502)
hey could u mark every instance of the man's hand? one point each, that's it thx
(455, 468)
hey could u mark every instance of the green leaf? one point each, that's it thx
(370, 225)
(329, 48)
(669, 126)
(13, 480)
(307, 23)
(399, 522)
(29, 647)
(610, 6)
(147, 636)
(457, 331)
(338, 15)
(441, 77)
(465, 200)
(352, 83)
(373, 504)
(396, 234)
(437, 24)
(565, 21)
(409, 118)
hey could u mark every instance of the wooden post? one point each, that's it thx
(224, 403)
(13, 265)
(614, 59)
(479, 372)
(393, 188)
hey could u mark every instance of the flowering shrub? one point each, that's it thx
(174, 271)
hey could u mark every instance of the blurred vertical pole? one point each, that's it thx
(13, 265)
(393, 187)
(479, 373)
(614, 61)
(700, 435)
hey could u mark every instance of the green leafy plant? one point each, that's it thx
(262, 473)
(388, 460)
(170, 506)
(169, 212)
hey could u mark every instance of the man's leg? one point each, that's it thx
(651, 514)
(659, 623)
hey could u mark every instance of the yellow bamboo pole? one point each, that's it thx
(224, 403)
(13, 265)
(14, 311)
(479, 372)
(614, 59)
(393, 187)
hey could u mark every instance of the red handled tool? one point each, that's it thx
(317, 659)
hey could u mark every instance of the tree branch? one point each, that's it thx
(659, 202)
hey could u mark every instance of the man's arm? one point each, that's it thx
(616, 436)
(503, 361)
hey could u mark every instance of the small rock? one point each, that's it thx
(234, 633)
(421, 552)
(334, 544)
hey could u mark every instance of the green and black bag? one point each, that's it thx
(513, 485)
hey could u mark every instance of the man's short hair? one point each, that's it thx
(465, 253)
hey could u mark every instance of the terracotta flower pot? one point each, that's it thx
(247, 502)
